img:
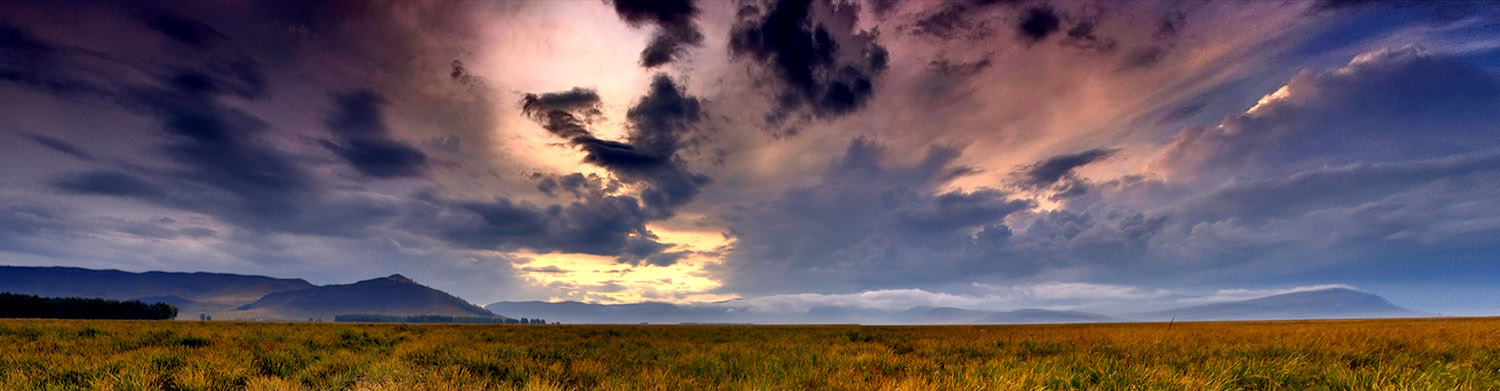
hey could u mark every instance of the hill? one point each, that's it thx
(392, 295)
(192, 293)
(1328, 303)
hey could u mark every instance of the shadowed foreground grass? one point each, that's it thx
(1421, 354)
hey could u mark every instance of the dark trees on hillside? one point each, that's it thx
(29, 306)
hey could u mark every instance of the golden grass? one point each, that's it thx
(1405, 354)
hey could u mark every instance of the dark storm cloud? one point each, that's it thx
(109, 183)
(414, 54)
(666, 258)
(602, 225)
(577, 184)
(1082, 36)
(956, 19)
(1110, 241)
(641, 252)
(30, 61)
(60, 146)
(1038, 23)
(1143, 57)
(659, 126)
(185, 30)
(1168, 26)
(828, 73)
(676, 31)
(365, 143)
(882, 7)
(215, 145)
(551, 269)
(1324, 5)
(231, 173)
(380, 158)
(217, 162)
(945, 77)
(1048, 172)
(960, 19)
(458, 73)
(578, 99)
(958, 69)
(955, 210)
(223, 169)
(1171, 24)
(566, 114)
(15, 40)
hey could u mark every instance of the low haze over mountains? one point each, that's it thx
(1318, 304)
(1322, 303)
(229, 296)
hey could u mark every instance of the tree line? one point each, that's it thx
(30, 306)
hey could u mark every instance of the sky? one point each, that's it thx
(984, 154)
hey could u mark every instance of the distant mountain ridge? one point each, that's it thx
(391, 295)
(121, 285)
(234, 296)
(192, 293)
(1314, 304)
(726, 312)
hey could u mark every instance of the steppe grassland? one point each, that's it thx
(1403, 354)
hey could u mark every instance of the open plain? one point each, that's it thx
(1392, 354)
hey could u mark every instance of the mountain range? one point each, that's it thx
(729, 312)
(393, 295)
(233, 296)
(1316, 304)
(192, 293)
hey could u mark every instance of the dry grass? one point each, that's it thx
(1420, 354)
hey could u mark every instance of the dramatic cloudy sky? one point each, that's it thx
(977, 153)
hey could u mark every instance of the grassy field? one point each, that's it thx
(1421, 354)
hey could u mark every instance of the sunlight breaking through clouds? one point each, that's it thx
(780, 154)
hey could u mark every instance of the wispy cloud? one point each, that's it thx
(1226, 295)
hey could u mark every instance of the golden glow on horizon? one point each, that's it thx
(599, 279)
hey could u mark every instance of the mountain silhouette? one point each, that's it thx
(392, 295)
(1327, 303)
(192, 293)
